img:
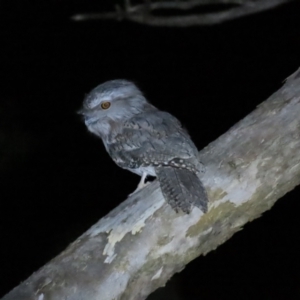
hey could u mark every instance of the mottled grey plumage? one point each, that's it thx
(146, 141)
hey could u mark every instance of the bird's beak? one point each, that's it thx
(88, 119)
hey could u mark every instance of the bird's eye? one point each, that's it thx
(105, 105)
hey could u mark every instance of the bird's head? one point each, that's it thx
(113, 100)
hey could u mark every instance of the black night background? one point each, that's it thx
(57, 180)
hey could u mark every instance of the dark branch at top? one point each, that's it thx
(143, 13)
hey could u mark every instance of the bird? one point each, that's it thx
(146, 141)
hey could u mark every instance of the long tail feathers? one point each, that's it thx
(182, 189)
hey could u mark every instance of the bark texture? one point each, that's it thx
(138, 246)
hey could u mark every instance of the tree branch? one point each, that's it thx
(141, 13)
(138, 246)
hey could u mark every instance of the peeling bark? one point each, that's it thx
(138, 246)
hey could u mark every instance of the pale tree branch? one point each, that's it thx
(138, 246)
(143, 13)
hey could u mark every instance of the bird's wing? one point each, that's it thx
(151, 138)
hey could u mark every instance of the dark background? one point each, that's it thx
(56, 180)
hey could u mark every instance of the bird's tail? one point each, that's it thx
(182, 188)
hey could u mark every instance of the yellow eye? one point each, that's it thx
(105, 105)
